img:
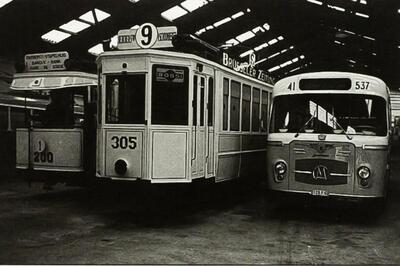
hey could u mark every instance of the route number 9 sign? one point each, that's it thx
(146, 35)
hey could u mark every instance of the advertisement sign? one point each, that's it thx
(46, 61)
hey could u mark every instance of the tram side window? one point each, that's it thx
(170, 95)
(125, 99)
(264, 111)
(60, 110)
(246, 108)
(210, 101)
(194, 105)
(235, 105)
(225, 110)
(256, 110)
(202, 84)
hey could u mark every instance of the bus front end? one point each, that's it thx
(328, 143)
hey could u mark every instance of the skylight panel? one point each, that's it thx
(4, 2)
(315, 2)
(237, 15)
(273, 41)
(222, 21)
(337, 8)
(266, 26)
(361, 15)
(245, 36)
(96, 50)
(351, 61)
(192, 5)
(55, 36)
(74, 26)
(100, 15)
(258, 29)
(174, 13)
(134, 1)
(246, 53)
(261, 46)
(364, 2)
(274, 55)
(272, 69)
(368, 38)
(232, 42)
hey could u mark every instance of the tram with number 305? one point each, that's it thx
(172, 117)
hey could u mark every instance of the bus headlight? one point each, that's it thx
(364, 172)
(280, 170)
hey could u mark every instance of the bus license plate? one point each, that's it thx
(317, 192)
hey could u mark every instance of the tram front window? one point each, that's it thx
(330, 114)
(125, 99)
(59, 111)
(169, 97)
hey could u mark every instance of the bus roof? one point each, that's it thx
(52, 80)
(358, 84)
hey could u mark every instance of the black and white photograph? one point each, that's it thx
(199, 132)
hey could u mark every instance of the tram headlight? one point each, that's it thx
(280, 170)
(120, 167)
(364, 172)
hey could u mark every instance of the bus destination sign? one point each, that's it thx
(247, 68)
(146, 36)
(46, 61)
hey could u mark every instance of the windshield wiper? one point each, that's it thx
(308, 121)
(337, 124)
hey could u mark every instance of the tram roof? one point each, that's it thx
(288, 37)
(162, 53)
(52, 80)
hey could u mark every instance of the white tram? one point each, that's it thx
(330, 135)
(56, 140)
(172, 117)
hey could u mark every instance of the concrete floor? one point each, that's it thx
(225, 223)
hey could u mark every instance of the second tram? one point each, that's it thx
(58, 142)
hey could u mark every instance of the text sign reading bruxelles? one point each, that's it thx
(46, 61)
(146, 36)
(246, 68)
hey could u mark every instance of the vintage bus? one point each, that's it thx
(58, 141)
(329, 135)
(173, 117)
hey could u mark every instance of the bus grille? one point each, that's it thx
(321, 171)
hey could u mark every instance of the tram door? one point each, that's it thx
(200, 127)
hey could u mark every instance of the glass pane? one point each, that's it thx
(246, 108)
(256, 110)
(202, 101)
(170, 95)
(264, 111)
(125, 99)
(225, 110)
(210, 101)
(330, 114)
(194, 101)
(235, 105)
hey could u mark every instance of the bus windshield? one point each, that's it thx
(352, 114)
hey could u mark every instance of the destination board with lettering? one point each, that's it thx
(46, 61)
